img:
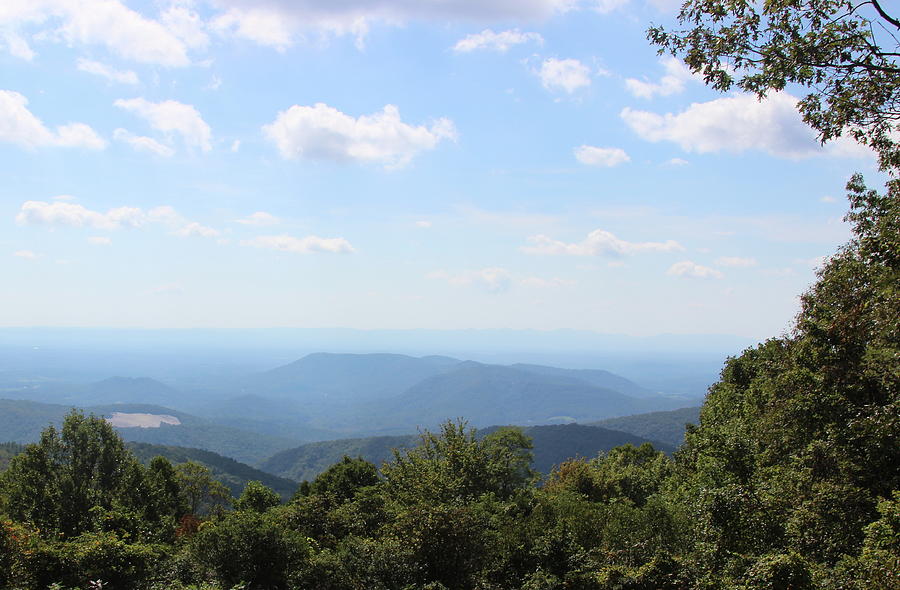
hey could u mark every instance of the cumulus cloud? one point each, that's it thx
(105, 71)
(492, 279)
(260, 218)
(99, 241)
(172, 116)
(63, 213)
(277, 23)
(142, 143)
(502, 41)
(737, 124)
(598, 243)
(18, 125)
(321, 132)
(423, 223)
(26, 254)
(736, 261)
(676, 162)
(604, 157)
(66, 214)
(304, 245)
(672, 82)
(691, 270)
(194, 229)
(16, 45)
(108, 23)
(567, 75)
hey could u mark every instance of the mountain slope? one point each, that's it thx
(494, 394)
(597, 377)
(233, 474)
(663, 426)
(345, 377)
(552, 445)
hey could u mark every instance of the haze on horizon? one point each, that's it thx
(492, 165)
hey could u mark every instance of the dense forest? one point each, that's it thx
(789, 481)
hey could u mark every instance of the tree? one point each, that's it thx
(63, 481)
(800, 438)
(202, 492)
(456, 465)
(342, 480)
(846, 52)
(257, 497)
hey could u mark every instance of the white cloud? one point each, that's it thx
(691, 270)
(65, 214)
(604, 157)
(607, 6)
(676, 162)
(235, 145)
(260, 218)
(172, 116)
(143, 144)
(502, 41)
(567, 75)
(109, 23)
(828, 199)
(197, 230)
(26, 254)
(105, 71)
(322, 132)
(277, 23)
(736, 124)
(186, 25)
(16, 45)
(99, 241)
(18, 125)
(493, 279)
(423, 223)
(598, 243)
(305, 245)
(736, 261)
(672, 82)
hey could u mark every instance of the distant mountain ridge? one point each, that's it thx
(666, 426)
(553, 444)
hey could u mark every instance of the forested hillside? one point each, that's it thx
(668, 427)
(552, 446)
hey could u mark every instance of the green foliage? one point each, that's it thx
(342, 480)
(7, 452)
(105, 556)
(257, 498)
(202, 493)
(250, 548)
(455, 465)
(76, 477)
(845, 52)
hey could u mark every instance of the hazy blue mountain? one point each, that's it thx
(493, 394)
(233, 474)
(597, 377)
(107, 391)
(663, 426)
(23, 421)
(345, 377)
(552, 445)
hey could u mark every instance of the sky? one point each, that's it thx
(397, 164)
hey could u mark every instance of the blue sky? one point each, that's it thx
(396, 164)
